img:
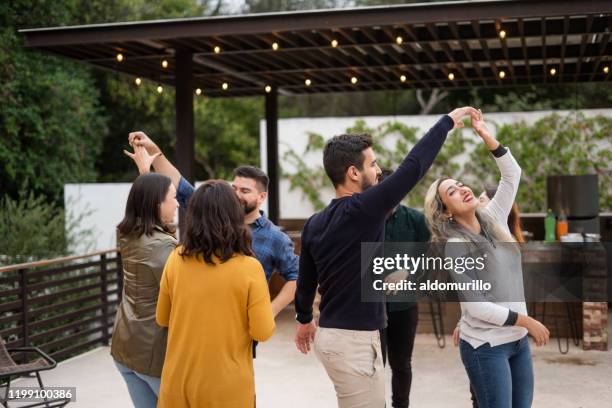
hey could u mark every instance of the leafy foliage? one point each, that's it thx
(312, 179)
(571, 144)
(34, 229)
(50, 118)
(554, 145)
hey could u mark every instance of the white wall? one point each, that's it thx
(105, 202)
(103, 205)
(293, 134)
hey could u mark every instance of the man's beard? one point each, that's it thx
(365, 184)
(248, 207)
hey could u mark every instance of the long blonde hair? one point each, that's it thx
(442, 228)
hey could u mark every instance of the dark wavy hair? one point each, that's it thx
(214, 225)
(261, 179)
(142, 209)
(342, 152)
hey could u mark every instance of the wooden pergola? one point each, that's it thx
(454, 45)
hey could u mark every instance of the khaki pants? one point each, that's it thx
(353, 361)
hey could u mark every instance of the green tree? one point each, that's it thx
(50, 117)
(37, 229)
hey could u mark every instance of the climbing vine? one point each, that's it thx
(571, 144)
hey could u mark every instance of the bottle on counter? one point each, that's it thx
(549, 226)
(562, 226)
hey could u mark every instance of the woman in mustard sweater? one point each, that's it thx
(214, 300)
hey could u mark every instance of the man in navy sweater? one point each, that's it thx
(348, 339)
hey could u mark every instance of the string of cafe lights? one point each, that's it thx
(353, 79)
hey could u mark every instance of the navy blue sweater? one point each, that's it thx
(331, 242)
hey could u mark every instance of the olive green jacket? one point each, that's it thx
(138, 342)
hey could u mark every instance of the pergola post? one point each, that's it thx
(185, 138)
(272, 154)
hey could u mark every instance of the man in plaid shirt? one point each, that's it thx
(272, 247)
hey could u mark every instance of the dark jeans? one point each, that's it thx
(397, 343)
(501, 376)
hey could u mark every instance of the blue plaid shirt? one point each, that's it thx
(272, 247)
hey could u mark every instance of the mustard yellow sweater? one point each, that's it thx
(213, 313)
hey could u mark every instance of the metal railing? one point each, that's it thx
(65, 306)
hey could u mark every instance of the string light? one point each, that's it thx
(275, 46)
(451, 76)
(606, 69)
(307, 82)
(138, 81)
(553, 72)
(268, 89)
(354, 80)
(502, 34)
(160, 89)
(198, 91)
(119, 57)
(334, 43)
(217, 49)
(164, 64)
(502, 74)
(403, 78)
(399, 40)
(225, 85)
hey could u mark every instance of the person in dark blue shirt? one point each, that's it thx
(272, 247)
(348, 339)
(404, 224)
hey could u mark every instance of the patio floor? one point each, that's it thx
(286, 378)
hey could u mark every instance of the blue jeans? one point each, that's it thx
(143, 389)
(501, 376)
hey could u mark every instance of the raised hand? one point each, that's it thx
(479, 125)
(142, 158)
(458, 114)
(140, 138)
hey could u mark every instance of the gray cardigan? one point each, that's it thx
(484, 315)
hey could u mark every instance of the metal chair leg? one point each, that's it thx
(573, 323)
(437, 322)
(42, 387)
(6, 392)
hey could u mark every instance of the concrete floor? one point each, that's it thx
(286, 378)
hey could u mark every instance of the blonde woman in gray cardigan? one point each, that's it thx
(494, 324)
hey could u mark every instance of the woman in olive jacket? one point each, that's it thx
(139, 344)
